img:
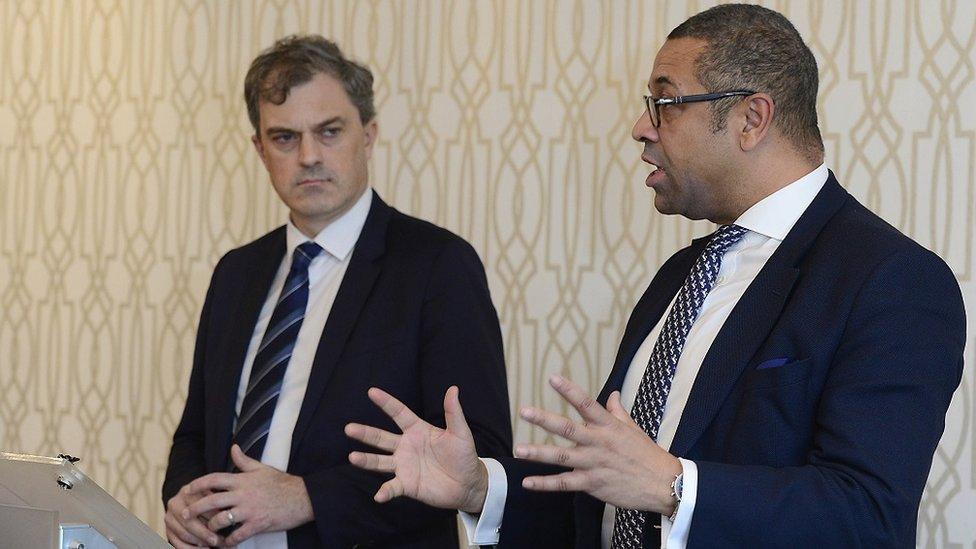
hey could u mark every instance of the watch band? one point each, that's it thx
(676, 487)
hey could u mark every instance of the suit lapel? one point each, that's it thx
(662, 289)
(357, 283)
(258, 269)
(752, 319)
(648, 312)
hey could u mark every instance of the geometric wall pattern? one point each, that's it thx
(126, 171)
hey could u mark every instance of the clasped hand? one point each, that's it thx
(612, 458)
(258, 499)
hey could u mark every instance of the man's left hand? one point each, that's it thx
(613, 460)
(259, 499)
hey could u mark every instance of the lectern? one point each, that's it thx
(48, 503)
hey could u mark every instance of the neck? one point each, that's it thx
(761, 179)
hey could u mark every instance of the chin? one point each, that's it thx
(662, 205)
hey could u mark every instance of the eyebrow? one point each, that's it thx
(282, 129)
(664, 81)
(331, 121)
(277, 129)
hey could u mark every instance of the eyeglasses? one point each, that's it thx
(653, 104)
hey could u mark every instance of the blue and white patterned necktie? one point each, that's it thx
(656, 382)
(271, 360)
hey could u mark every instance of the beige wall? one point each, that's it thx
(126, 171)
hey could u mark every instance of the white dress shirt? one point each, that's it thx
(325, 274)
(768, 222)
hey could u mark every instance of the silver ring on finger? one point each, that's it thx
(230, 518)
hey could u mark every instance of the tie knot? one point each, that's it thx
(304, 254)
(724, 238)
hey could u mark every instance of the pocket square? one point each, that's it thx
(772, 363)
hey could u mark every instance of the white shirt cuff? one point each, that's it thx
(485, 529)
(677, 537)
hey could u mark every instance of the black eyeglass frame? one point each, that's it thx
(652, 104)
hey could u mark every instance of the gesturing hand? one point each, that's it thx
(439, 467)
(613, 460)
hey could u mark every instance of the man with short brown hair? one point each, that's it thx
(349, 294)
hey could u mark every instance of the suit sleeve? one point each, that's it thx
(877, 424)
(460, 344)
(532, 518)
(186, 456)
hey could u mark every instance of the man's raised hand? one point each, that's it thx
(439, 467)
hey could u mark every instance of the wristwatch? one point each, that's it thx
(676, 486)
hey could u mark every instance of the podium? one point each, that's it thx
(48, 503)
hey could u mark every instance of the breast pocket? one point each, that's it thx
(769, 374)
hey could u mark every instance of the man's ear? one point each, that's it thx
(759, 109)
(370, 131)
(259, 147)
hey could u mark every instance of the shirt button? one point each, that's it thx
(719, 280)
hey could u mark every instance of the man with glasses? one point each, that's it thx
(782, 382)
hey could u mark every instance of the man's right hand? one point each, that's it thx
(439, 467)
(192, 532)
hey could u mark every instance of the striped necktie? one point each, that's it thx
(271, 360)
(652, 394)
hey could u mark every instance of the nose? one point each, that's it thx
(308, 152)
(644, 130)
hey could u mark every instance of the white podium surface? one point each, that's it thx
(49, 503)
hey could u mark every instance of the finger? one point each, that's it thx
(372, 462)
(180, 544)
(186, 493)
(555, 455)
(558, 425)
(213, 502)
(398, 411)
(454, 415)
(176, 532)
(587, 406)
(222, 520)
(389, 490)
(243, 461)
(616, 408)
(243, 532)
(377, 438)
(213, 482)
(570, 481)
(175, 542)
(197, 528)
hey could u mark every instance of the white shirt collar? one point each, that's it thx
(776, 214)
(339, 237)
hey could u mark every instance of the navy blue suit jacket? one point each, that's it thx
(832, 447)
(412, 316)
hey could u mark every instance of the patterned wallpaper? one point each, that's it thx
(126, 171)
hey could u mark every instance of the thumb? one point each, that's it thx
(243, 461)
(616, 408)
(454, 415)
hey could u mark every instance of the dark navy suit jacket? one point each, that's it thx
(832, 445)
(412, 316)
